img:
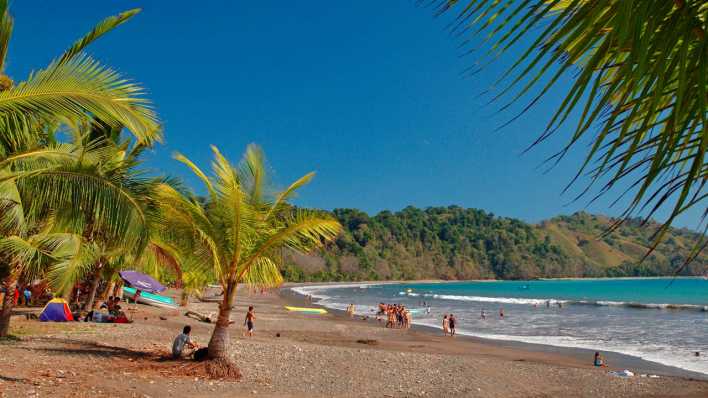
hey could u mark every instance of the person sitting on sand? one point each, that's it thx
(250, 317)
(446, 325)
(599, 360)
(183, 339)
(119, 316)
(452, 321)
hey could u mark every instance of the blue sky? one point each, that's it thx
(368, 94)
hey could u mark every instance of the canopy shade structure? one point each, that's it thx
(141, 282)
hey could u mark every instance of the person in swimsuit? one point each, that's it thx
(452, 321)
(250, 317)
(599, 361)
(501, 312)
(446, 325)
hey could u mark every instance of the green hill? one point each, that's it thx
(456, 243)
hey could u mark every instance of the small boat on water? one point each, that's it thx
(150, 298)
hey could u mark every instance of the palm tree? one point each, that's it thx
(27, 243)
(50, 177)
(639, 91)
(239, 232)
(71, 89)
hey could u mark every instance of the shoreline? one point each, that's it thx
(618, 360)
(298, 355)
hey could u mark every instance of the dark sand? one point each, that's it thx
(315, 356)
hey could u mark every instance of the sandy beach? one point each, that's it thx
(314, 356)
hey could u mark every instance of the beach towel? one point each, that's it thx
(622, 373)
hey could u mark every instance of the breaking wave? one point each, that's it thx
(553, 301)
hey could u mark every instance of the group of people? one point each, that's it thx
(483, 313)
(449, 323)
(397, 315)
(21, 295)
(109, 312)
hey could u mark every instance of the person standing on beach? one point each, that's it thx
(452, 321)
(446, 325)
(28, 296)
(483, 315)
(250, 317)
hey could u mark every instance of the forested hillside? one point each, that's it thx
(457, 243)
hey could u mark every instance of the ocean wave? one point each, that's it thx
(553, 301)
(665, 354)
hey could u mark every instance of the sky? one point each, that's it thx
(368, 94)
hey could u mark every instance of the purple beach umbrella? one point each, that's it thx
(141, 281)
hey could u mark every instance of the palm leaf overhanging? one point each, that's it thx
(640, 88)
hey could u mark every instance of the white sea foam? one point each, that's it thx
(554, 301)
(316, 290)
(664, 354)
(483, 299)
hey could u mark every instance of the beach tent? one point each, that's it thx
(56, 310)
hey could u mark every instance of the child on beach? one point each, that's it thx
(250, 317)
(599, 360)
(446, 325)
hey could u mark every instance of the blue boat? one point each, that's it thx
(150, 298)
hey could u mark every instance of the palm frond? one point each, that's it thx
(99, 30)
(6, 24)
(263, 273)
(12, 212)
(76, 90)
(288, 193)
(33, 254)
(639, 90)
(75, 261)
(116, 205)
(302, 232)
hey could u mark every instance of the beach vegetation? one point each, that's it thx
(62, 183)
(457, 243)
(238, 232)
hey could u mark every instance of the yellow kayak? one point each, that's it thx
(306, 310)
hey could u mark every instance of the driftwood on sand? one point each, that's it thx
(201, 317)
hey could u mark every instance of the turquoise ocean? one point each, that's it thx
(663, 320)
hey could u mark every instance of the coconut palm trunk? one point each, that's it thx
(7, 303)
(91, 300)
(219, 342)
(108, 291)
(68, 295)
(184, 299)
